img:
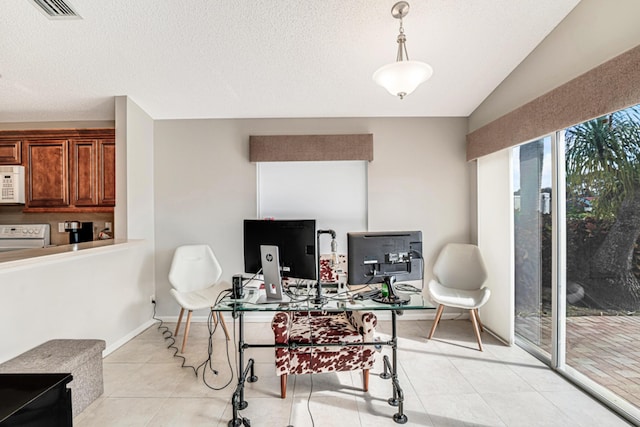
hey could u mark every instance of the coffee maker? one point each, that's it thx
(79, 231)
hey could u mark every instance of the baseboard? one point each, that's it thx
(498, 337)
(122, 341)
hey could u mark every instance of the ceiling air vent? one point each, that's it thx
(56, 9)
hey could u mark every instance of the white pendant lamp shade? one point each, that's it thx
(400, 78)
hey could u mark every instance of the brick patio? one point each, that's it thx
(601, 347)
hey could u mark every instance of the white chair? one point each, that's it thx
(195, 276)
(460, 275)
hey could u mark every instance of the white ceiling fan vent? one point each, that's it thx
(56, 9)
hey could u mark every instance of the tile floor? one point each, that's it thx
(446, 381)
(599, 347)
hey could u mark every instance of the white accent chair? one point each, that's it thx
(195, 276)
(460, 274)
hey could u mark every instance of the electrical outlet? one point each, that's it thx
(107, 225)
(153, 299)
(61, 227)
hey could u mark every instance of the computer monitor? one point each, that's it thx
(296, 242)
(384, 257)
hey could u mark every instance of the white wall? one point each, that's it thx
(97, 293)
(205, 185)
(594, 32)
(495, 240)
(134, 212)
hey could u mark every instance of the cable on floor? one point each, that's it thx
(167, 335)
(238, 368)
(207, 365)
(312, 348)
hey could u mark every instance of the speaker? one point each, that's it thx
(237, 291)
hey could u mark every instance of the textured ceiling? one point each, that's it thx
(259, 58)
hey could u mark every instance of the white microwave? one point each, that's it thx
(12, 189)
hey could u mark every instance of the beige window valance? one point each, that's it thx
(283, 148)
(609, 87)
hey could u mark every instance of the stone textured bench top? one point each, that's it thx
(60, 355)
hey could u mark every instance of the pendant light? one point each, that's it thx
(403, 76)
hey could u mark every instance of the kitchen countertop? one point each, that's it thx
(35, 256)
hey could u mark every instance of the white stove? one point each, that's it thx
(24, 236)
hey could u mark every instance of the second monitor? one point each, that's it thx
(383, 257)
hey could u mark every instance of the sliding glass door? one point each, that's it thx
(576, 197)
(603, 252)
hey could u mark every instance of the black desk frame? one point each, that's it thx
(246, 372)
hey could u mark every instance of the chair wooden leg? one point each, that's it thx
(479, 321)
(283, 386)
(365, 380)
(218, 317)
(224, 325)
(179, 321)
(436, 320)
(475, 327)
(186, 330)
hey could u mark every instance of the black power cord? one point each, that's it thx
(312, 348)
(207, 365)
(168, 336)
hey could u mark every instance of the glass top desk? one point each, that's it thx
(333, 303)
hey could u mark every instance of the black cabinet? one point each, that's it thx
(41, 400)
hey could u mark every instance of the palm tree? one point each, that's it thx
(602, 157)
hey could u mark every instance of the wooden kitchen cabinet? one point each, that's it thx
(84, 173)
(93, 171)
(10, 151)
(107, 172)
(66, 170)
(46, 171)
